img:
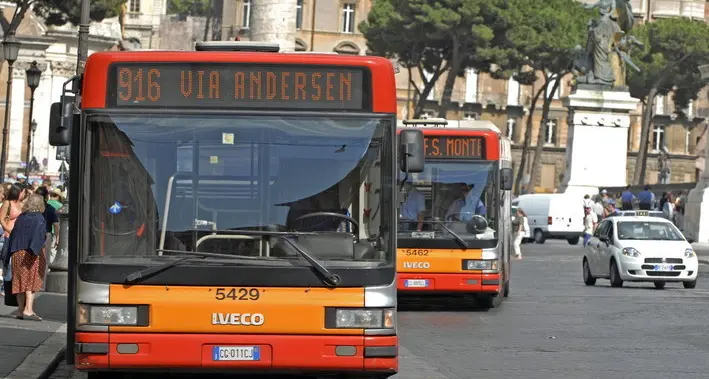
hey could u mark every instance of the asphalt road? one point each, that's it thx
(554, 327)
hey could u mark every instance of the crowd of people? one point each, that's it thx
(29, 226)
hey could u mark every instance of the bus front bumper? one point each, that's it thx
(451, 283)
(195, 353)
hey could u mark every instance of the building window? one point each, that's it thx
(659, 104)
(348, 18)
(690, 109)
(429, 77)
(134, 6)
(299, 14)
(470, 116)
(551, 132)
(658, 138)
(471, 86)
(510, 127)
(686, 141)
(512, 92)
(425, 115)
(557, 93)
(246, 14)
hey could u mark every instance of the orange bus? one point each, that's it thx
(455, 224)
(221, 210)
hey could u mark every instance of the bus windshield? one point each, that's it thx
(450, 192)
(191, 182)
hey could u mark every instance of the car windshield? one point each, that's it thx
(648, 230)
(450, 193)
(191, 183)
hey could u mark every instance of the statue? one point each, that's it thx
(604, 60)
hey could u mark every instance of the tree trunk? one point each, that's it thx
(428, 86)
(450, 81)
(542, 135)
(527, 139)
(20, 11)
(207, 34)
(641, 159)
(273, 21)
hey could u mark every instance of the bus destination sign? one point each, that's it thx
(454, 147)
(237, 86)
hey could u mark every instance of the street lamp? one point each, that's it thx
(33, 125)
(10, 49)
(34, 74)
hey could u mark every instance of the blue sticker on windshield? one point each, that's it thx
(116, 208)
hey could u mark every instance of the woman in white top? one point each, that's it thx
(520, 230)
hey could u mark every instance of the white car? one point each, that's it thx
(639, 249)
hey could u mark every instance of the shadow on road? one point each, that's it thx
(439, 303)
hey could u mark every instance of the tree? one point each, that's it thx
(544, 35)
(183, 8)
(669, 60)
(437, 37)
(60, 12)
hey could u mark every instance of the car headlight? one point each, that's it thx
(689, 253)
(360, 318)
(631, 252)
(127, 315)
(479, 264)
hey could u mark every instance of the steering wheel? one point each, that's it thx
(354, 222)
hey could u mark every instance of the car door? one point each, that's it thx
(607, 248)
(594, 250)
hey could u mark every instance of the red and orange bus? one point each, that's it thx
(454, 228)
(220, 209)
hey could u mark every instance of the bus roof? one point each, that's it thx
(96, 74)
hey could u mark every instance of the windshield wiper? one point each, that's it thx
(455, 236)
(193, 255)
(327, 277)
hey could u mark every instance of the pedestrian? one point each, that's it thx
(645, 199)
(26, 257)
(521, 230)
(589, 224)
(668, 207)
(598, 208)
(679, 209)
(626, 199)
(611, 210)
(52, 221)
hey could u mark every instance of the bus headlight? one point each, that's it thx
(108, 315)
(478, 264)
(360, 318)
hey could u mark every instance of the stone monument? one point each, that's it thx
(600, 103)
(696, 212)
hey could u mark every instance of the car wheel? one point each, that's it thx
(616, 281)
(690, 285)
(539, 236)
(573, 240)
(587, 277)
(659, 285)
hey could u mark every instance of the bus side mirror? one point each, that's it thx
(506, 179)
(61, 120)
(411, 151)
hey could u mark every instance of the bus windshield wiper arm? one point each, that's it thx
(455, 236)
(328, 277)
(150, 271)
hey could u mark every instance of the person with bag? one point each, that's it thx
(26, 257)
(521, 229)
(9, 211)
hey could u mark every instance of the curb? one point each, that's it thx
(42, 362)
(704, 262)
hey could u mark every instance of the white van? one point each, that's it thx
(553, 216)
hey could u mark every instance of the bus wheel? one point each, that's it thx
(489, 301)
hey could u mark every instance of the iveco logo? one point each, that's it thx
(245, 319)
(417, 265)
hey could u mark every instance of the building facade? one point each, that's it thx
(143, 20)
(331, 26)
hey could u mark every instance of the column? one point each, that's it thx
(42, 103)
(696, 212)
(60, 73)
(274, 21)
(17, 117)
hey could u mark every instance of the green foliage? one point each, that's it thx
(545, 33)
(188, 7)
(674, 48)
(59, 12)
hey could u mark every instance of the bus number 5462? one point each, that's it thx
(416, 252)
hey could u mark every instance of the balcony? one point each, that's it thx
(693, 9)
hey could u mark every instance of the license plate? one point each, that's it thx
(416, 283)
(664, 267)
(236, 353)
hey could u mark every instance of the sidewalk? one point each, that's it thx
(30, 349)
